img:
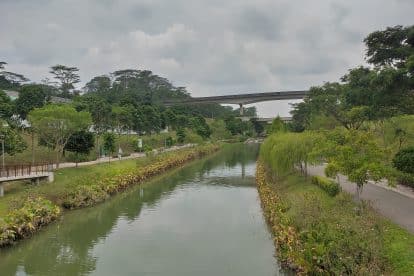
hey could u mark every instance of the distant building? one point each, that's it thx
(13, 95)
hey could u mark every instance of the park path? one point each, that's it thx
(397, 204)
(132, 156)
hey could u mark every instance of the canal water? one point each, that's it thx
(203, 219)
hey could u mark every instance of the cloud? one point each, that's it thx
(211, 47)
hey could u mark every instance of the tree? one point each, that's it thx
(391, 47)
(386, 92)
(100, 111)
(13, 142)
(399, 130)
(286, 151)
(180, 135)
(277, 126)
(10, 80)
(99, 84)
(200, 126)
(55, 124)
(356, 155)
(6, 106)
(170, 118)
(218, 130)
(122, 118)
(404, 160)
(147, 119)
(258, 126)
(31, 96)
(67, 76)
(81, 142)
(109, 144)
(123, 78)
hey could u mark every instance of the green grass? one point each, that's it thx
(64, 179)
(44, 155)
(399, 249)
(338, 228)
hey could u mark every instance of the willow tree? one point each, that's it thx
(286, 152)
(55, 124)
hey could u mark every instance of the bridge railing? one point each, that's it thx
(24, 170)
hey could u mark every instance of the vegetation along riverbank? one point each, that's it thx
(31, 208)
(317, 232)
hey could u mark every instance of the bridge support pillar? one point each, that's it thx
(241, 109)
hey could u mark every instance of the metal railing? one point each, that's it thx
(25, 170)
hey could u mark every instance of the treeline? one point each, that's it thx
(363, 128)
(380, 91)
(123, 102)
(370, 110)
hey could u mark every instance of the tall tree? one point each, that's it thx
(67, 77)
(80, 143)
(13, 142)
(6, 106)
(356, 155)
(10, 80)
(31, 96)
(99, 84)
(55, 124)
(392, 46)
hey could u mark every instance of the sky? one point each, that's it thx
(211, 47)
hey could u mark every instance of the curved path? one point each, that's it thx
(397, 204)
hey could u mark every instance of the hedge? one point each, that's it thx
(329, 186)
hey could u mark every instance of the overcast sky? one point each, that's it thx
(212, 47)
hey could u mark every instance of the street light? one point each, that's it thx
(2, 137)
(2, 151)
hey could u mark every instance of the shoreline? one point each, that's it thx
(37, 212)
(315, 233)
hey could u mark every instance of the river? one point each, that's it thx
(202, 219)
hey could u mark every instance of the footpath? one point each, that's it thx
(132, 156)
(395, 203)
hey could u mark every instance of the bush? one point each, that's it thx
(330, 187)
(406, 179)
(404, 160)
(26, 220)
(90, 192)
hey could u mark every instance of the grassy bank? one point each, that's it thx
(28, 208)
(127, 142)
(316, 233)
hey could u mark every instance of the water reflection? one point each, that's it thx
(156, 220)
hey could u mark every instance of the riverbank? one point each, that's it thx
(33, 207)
(316, 233)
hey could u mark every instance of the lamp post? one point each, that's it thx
(2, 152)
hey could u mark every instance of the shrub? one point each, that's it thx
(406, 179)
(93, 191)
(24, 221)
(404, 160)
(330, 187)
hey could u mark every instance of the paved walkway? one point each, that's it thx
(397, 204)
(132, 156)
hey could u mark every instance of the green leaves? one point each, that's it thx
(286, 151)
(56, 123)
(13, 142)
(24, 221)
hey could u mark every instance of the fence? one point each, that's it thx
(25, 170)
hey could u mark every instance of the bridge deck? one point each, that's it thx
(244, 98)
(26, 176)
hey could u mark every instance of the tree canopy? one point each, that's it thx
(55, 124)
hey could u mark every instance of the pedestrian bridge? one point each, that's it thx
(25, 172)
(243, 99)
